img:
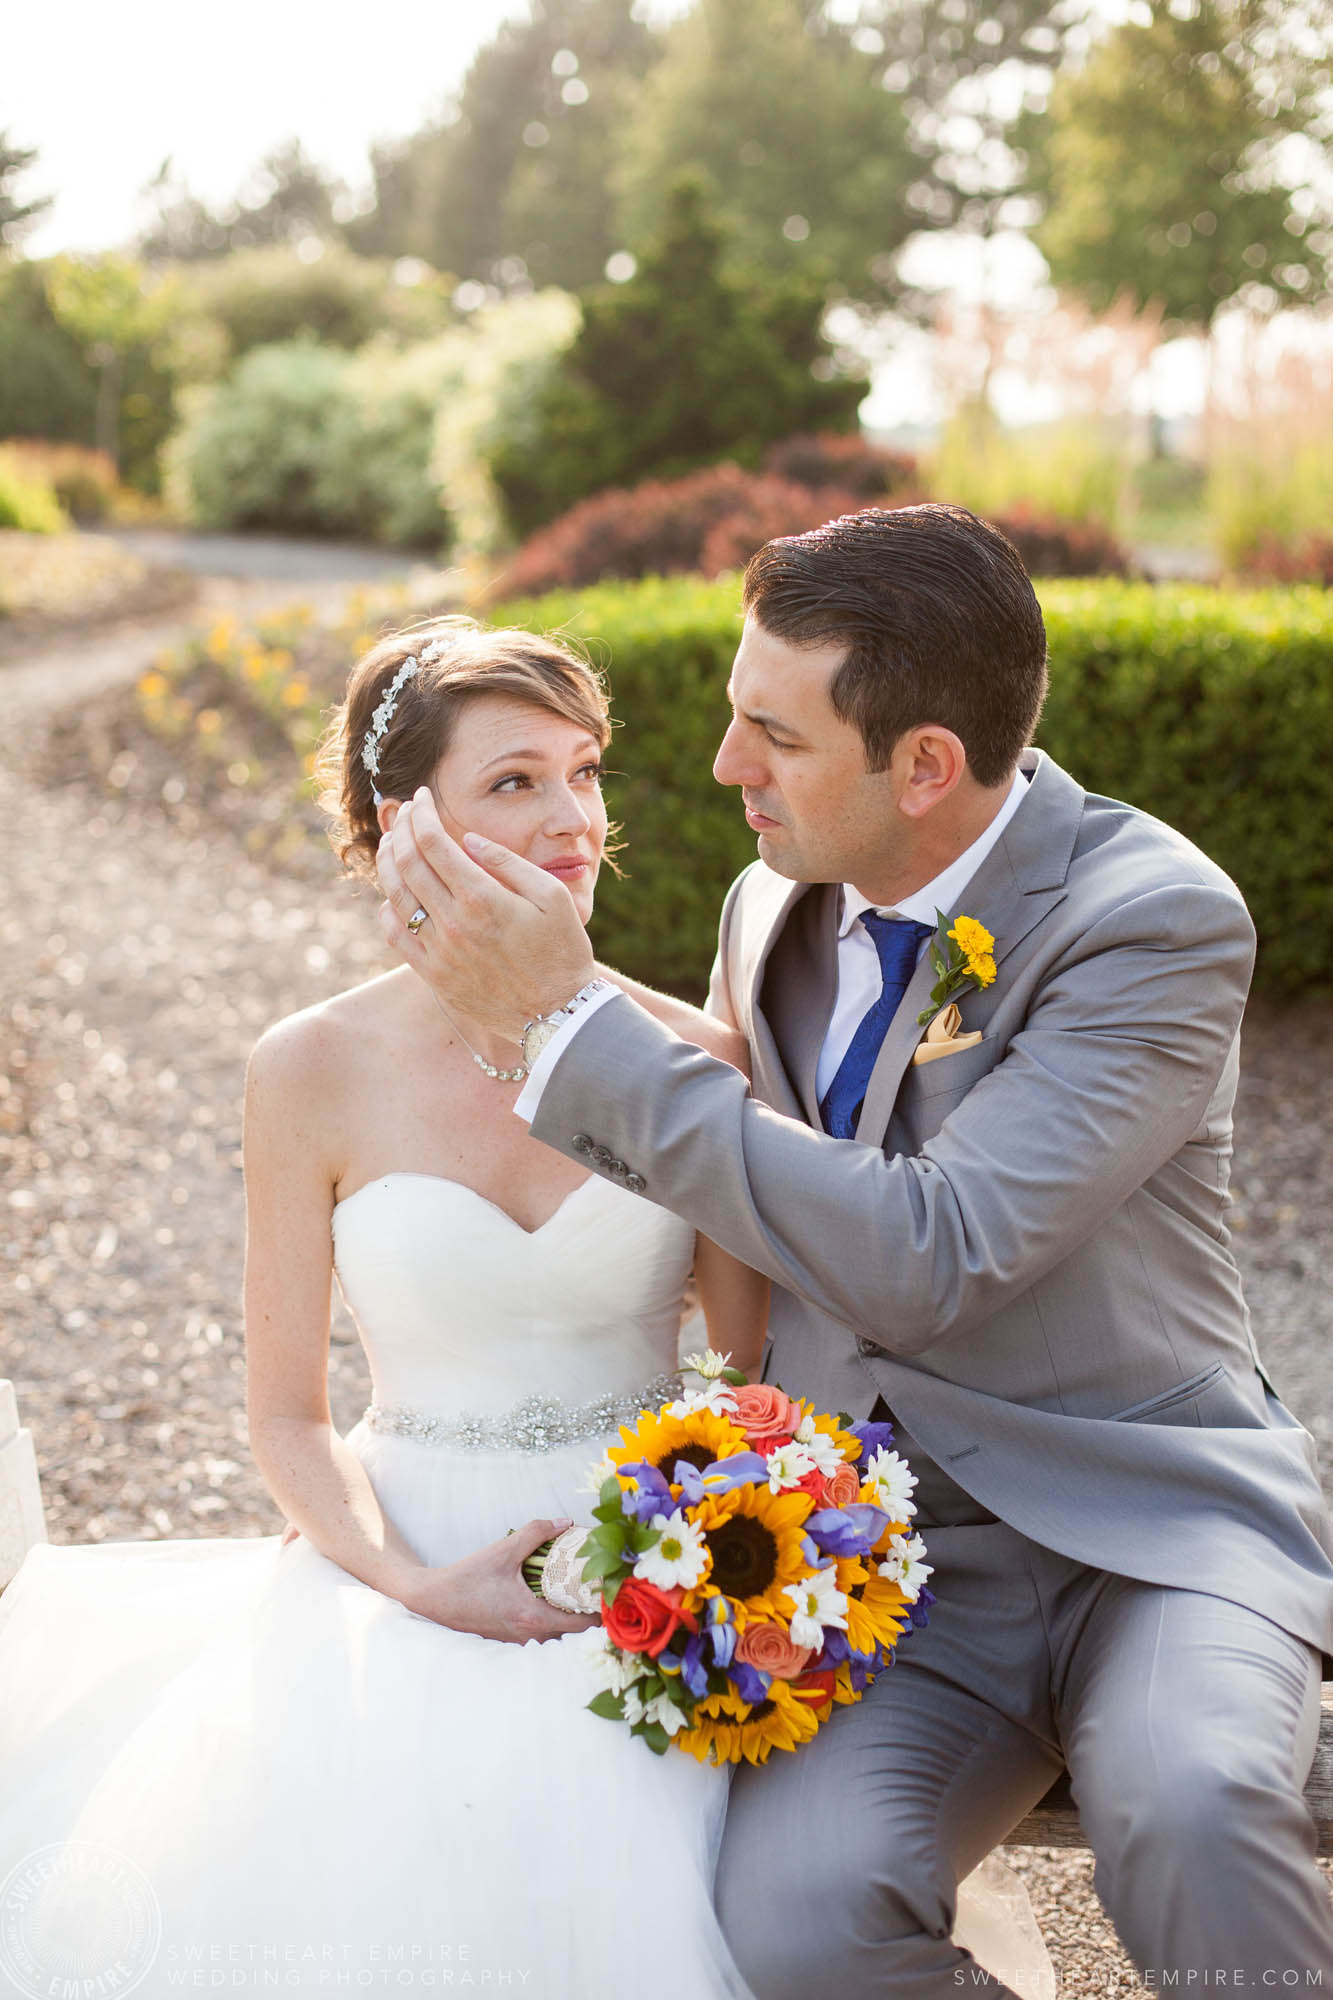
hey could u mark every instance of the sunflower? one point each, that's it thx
(876, 1615)
(755, 1539)
(726, 1729)
(658, 1439)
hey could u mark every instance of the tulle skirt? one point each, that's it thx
(262, 1775)
(230, 1766)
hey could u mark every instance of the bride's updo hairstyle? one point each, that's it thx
(467, 660)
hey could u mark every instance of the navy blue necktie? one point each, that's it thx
(898, 942)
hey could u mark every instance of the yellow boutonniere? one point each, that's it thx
(961, 954)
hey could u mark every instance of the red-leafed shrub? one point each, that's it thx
(706, 522)
(846, 460)
(1274, 561)
(1051, 547)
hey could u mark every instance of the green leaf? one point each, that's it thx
(734, 1377)
(653, 1735)
(610, 1587)
(604, 1563)
(611, 1707)
(610, 1493)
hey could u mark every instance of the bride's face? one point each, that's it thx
(531, 780)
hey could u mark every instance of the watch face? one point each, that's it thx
(536, 1038)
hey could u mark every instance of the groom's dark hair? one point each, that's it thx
(940, 621)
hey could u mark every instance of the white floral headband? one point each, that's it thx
(383, 716)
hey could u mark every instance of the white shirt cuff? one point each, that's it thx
(531, 1094)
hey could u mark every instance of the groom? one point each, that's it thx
(1015, 1247)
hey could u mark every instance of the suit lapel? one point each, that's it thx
(1020, 881)
(797, 988)
(766, 911)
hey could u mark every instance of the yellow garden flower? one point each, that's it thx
(972, 938)
(877, 1615)
(658, 1439)
(755, 1539)
(152, 685)
(723, 1733)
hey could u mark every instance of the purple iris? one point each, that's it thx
(813, 1556)
(651, 1494)
(693, 1670)
(721, 1632)
(750, 1684)
(874, 1437)
(743, 1468)
(847, 1531)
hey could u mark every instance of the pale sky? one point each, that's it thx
(105, 92)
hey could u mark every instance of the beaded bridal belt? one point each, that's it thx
(537, 1423)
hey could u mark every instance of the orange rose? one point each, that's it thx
(844, 1485)
(766, 1413)
(643, 1618)
(770, 1647)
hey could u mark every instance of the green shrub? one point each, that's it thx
(1211, 710)
(83, 480)
(27, 501)
(310, 440)
(265, 296)
(668, 645)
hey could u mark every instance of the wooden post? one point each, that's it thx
(22, 1521)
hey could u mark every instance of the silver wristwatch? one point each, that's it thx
(542, 1030)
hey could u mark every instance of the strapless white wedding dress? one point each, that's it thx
(231, 1766)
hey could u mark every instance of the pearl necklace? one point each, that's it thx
(488, 1068)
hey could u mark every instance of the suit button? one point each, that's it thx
(635, 1183)
(601, 1156)
(864, 1346)
(581, 1143)
(617, 1169)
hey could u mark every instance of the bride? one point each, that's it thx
(360, 1755)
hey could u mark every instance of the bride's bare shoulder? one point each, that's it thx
(319, 1045)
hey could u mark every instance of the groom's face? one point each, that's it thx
(819, 814)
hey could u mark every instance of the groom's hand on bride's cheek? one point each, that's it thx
(502, 940)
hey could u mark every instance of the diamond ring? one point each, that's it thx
(417, 919)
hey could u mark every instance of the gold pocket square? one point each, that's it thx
(942, 1037)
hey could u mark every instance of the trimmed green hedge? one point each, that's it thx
(1211, 709)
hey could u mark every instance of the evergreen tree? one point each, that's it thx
(690, 361)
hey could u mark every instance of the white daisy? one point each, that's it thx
(681, 1556)
(903, 1565)
(893, 1481)
(818, 1603)
(662, 1709)
(709, 1364)
(824, 1453)
(595, 1478)
(787, 1466)
(716, 1396)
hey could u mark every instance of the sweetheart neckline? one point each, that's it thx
(448, 1180)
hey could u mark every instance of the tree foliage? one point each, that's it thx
(1174, 164)
(15, 215)
(285, 199)
(516, 180)
(692, 360)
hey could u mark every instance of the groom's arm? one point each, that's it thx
(1107, 1078)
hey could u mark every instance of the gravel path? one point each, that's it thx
(141, 953)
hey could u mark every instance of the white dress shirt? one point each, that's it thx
(859, 977)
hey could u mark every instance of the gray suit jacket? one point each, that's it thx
(1024, 1249)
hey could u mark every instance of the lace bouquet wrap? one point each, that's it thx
(753, 1564)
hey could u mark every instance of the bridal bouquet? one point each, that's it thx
(754, 1565)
